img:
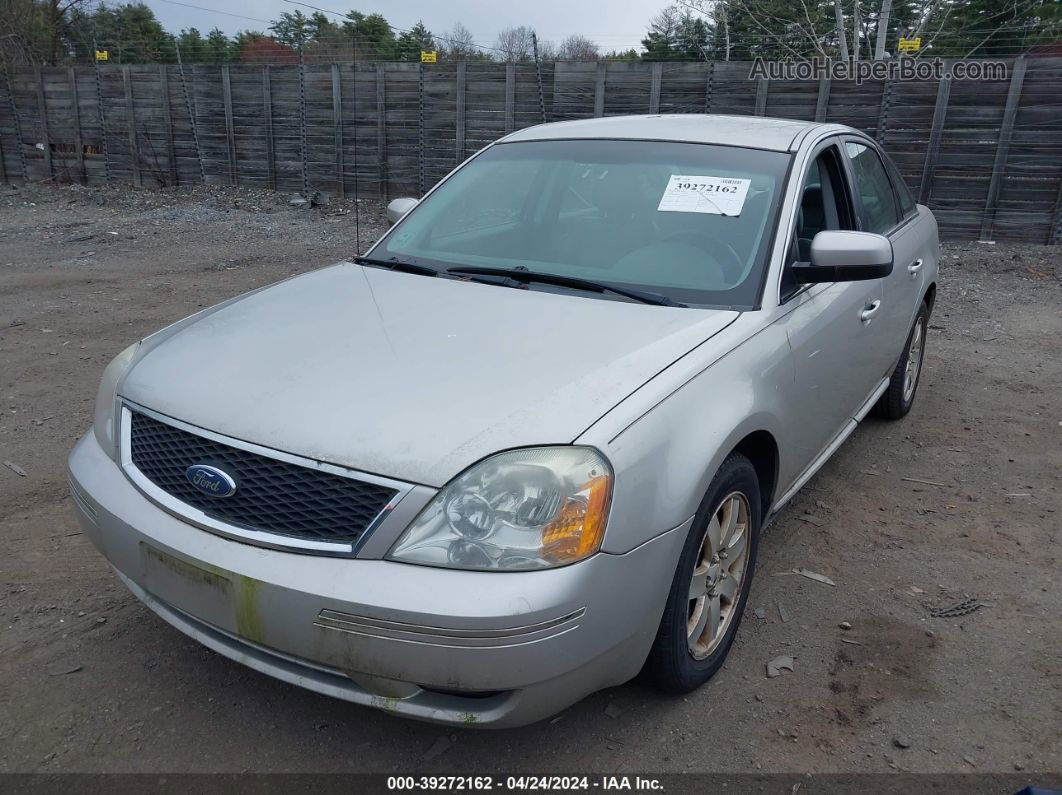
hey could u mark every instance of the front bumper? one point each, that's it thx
(469, 648)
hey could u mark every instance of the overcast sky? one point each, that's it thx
(613, 24)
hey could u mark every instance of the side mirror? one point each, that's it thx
(845, 257)
(399, 207)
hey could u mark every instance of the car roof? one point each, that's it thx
(756, 132)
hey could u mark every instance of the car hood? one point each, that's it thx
(409, 376)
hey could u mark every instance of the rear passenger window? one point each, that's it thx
(903, 194)
(875, 199)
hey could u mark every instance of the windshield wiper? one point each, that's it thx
(396, 264)
(576, 283)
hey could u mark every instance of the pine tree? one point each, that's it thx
(676, 34)
(989, 28)
(193, 46)
(775, 29)
(410, 44)
(218, 47)
(293, 29)
(371, 34)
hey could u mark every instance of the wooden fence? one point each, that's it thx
(985, 155)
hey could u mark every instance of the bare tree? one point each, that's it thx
(59, 14)
(721, 18)
(841, 40)
(883, 29)
(793, 28)
(855, 30)
(859, 29)
(578, 48)
(459, 44)
(32, 32)
(547, 51)
(929, 15)
(514, 44)
(664, 28)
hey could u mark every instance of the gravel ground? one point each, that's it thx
(92, 681)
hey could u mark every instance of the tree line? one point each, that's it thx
(72, 31)
(854, 29)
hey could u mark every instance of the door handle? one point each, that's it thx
(915, 266)
(870, 310)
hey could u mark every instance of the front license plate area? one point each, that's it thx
(204, 594)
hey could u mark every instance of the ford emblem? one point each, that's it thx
(211, 480)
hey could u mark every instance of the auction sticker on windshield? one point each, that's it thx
(714, 195)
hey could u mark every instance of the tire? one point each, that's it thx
(900, 395)
(677, 663)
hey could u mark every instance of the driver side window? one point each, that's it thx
(824, 205)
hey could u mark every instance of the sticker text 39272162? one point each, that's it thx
(704, 194)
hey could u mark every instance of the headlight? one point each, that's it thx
(526, 509)
(103, 425)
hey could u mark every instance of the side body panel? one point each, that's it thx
(666, 455)
(904, 285)
(916, 249)
(916, 252)
(931, 243)
(836, 359)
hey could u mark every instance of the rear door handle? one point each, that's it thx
(915, 266)
(869, 311)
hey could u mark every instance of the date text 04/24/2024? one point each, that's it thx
(522, 783)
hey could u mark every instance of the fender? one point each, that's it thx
(667, 454)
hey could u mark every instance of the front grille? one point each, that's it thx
(272, 496)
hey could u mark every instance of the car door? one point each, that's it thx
(884, 205)
(832, 328)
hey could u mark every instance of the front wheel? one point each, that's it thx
(903, 383)
(711, 584)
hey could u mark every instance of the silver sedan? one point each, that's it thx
(525, 447)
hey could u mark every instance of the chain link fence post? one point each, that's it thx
(538, 75)
(16, 124)
(420, 128)
(190, 106)
(302, 125)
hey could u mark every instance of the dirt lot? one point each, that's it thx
(92, 681)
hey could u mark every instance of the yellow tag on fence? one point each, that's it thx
(102, 55)
(909, 45)
(428, 57)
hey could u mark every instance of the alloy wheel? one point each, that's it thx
(715, 586)
(914, 361)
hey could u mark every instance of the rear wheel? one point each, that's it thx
(903, 383)
(711, 584)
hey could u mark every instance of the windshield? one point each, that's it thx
(689, 221)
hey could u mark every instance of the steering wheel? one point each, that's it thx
(730, 261)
